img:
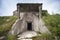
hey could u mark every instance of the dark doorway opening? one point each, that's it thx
(29, 26)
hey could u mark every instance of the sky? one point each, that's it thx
(8, 6)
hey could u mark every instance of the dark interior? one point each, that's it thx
(29, 26)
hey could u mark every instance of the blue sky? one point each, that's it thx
(8, 6)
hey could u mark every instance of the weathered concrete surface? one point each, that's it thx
(18, 27)
(43, 28)
(24, 39)
(2, 37)
(27, 35)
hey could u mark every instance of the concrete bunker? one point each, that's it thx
(29, 18)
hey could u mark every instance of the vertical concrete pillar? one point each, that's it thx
(18, 10)
(40, 11)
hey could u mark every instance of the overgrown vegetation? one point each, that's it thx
(6, 23)
(53, 24)
(43, 36)
(11, 37)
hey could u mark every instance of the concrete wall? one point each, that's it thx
(21, 24)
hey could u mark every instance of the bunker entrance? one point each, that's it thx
(29, 26)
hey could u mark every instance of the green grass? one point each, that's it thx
(53, 24)
(11, 37)
(6, 23)
(43, 36)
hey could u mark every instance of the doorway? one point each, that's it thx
(29, 26)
